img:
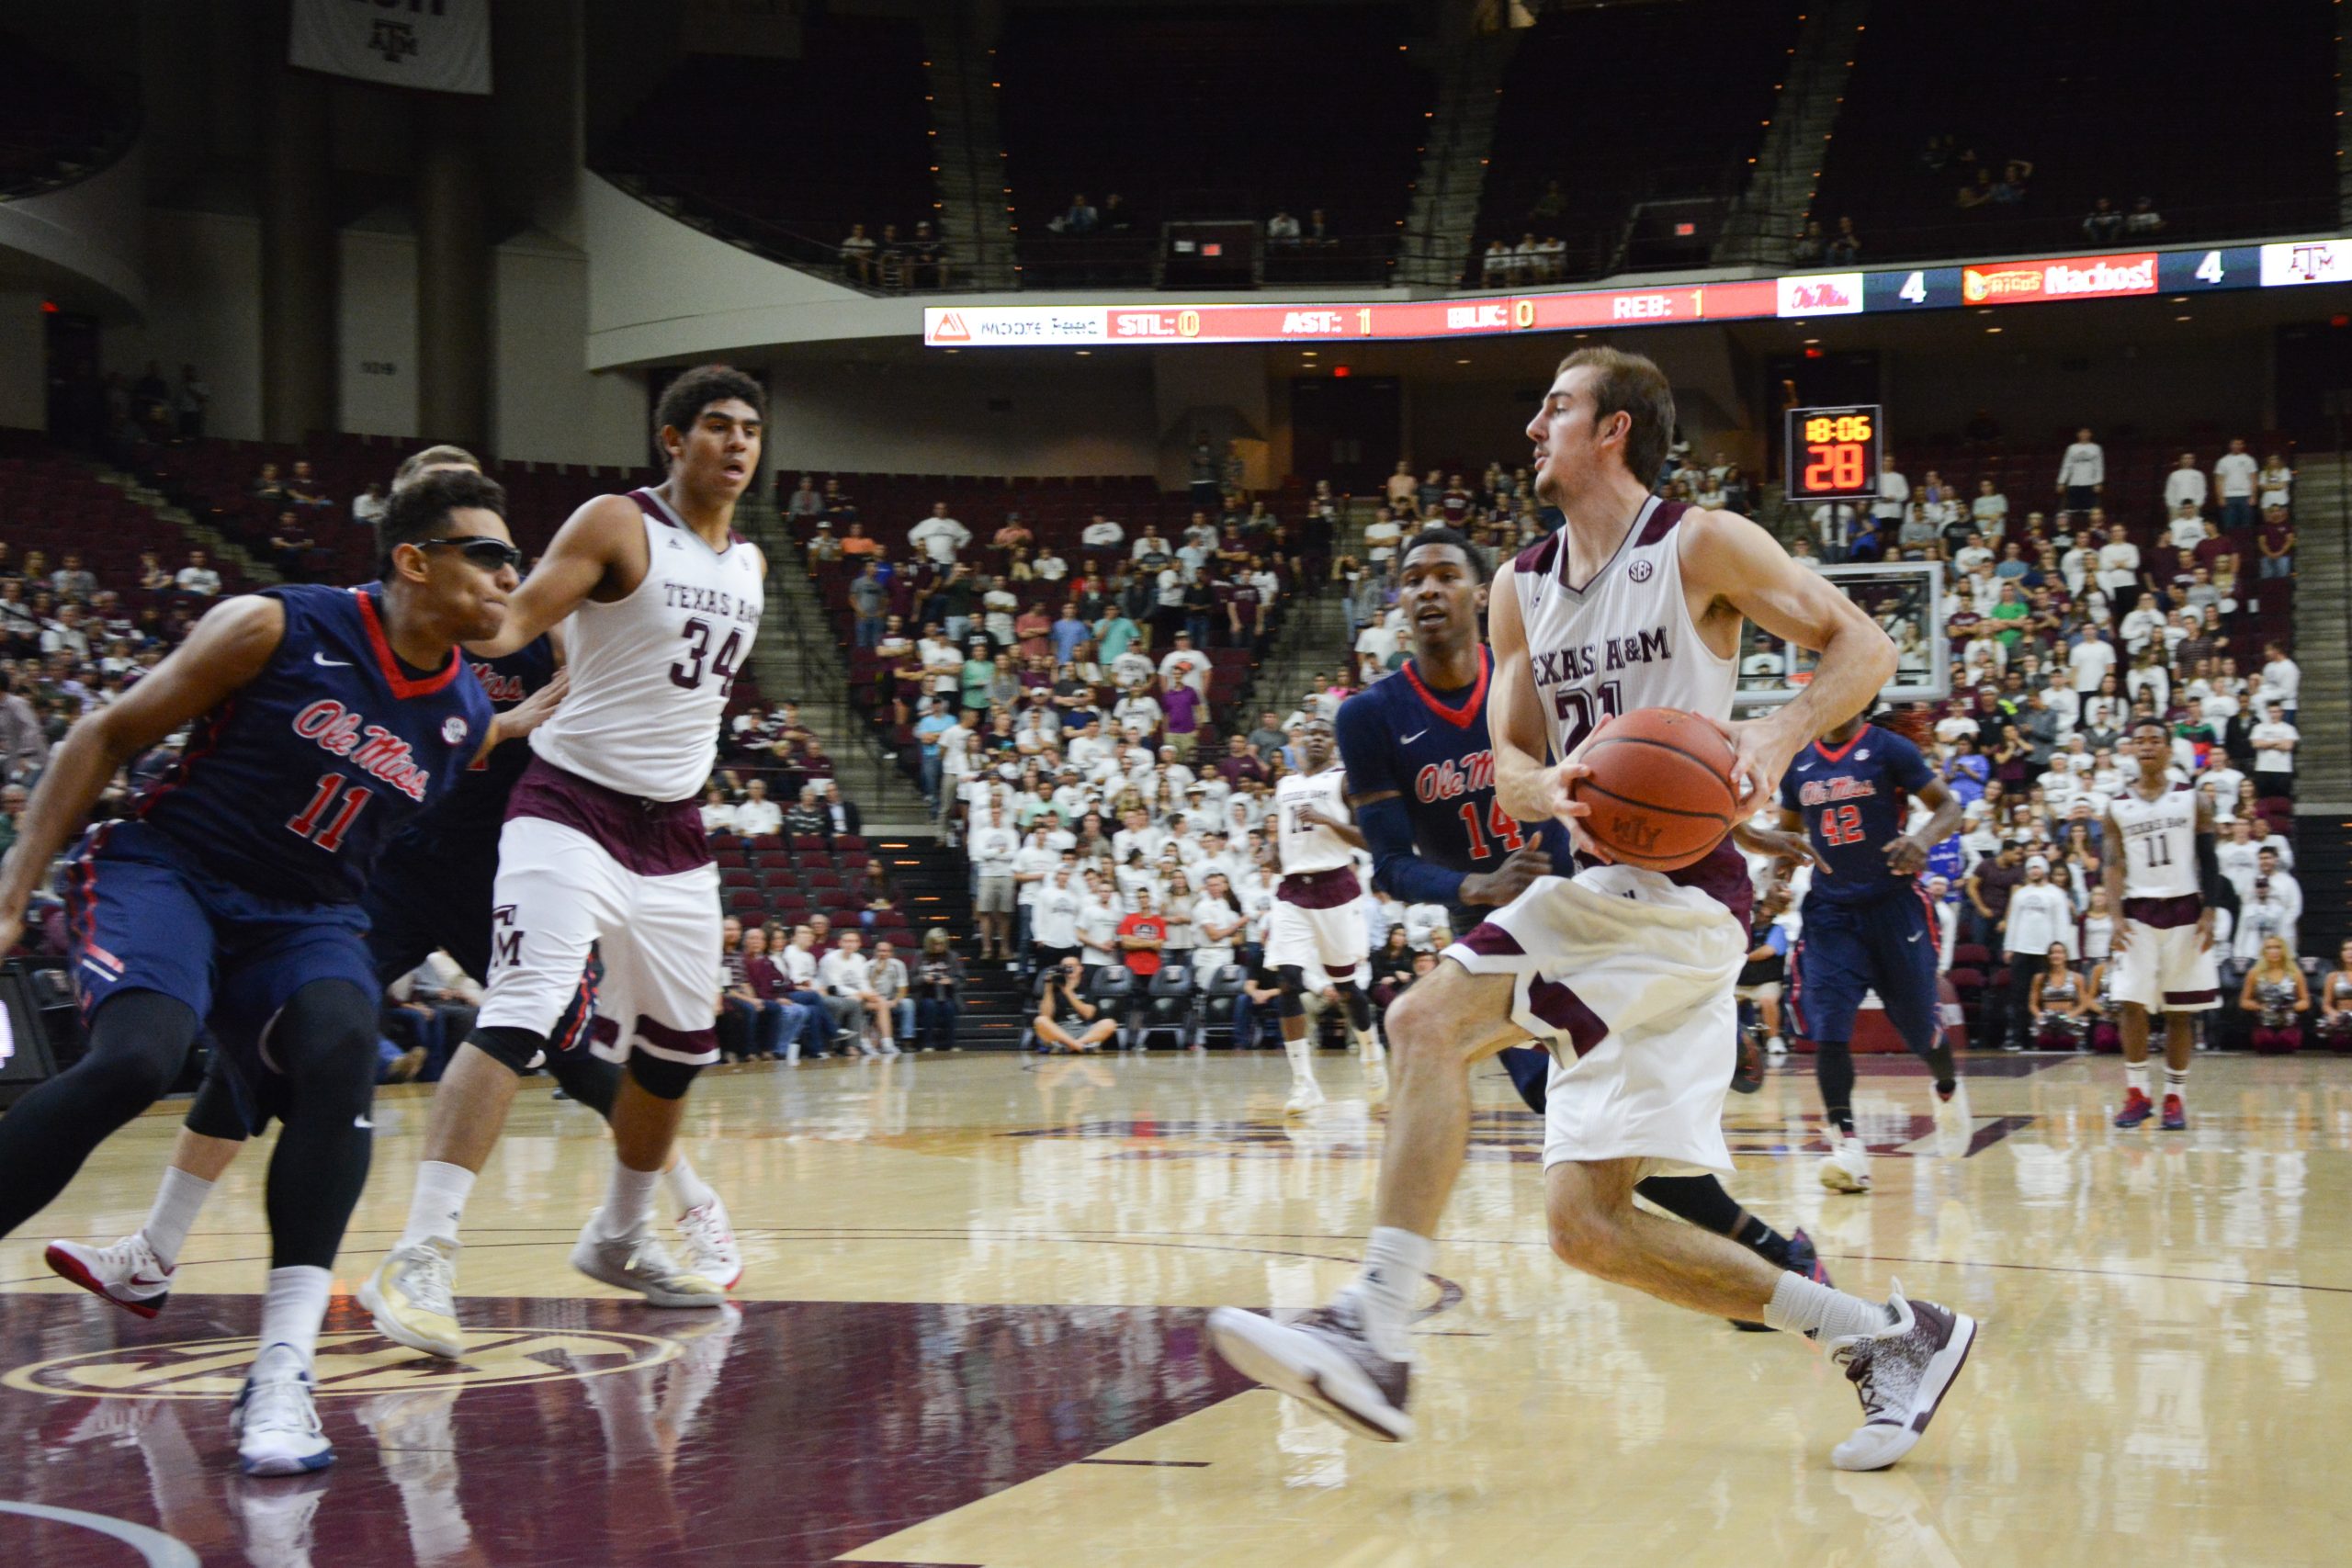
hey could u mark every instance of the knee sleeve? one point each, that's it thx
(659, 1077)
(1293, 983)
(324, 1045)
(1359, 1006)
(591, 1080)
(1700, 1200)
(517, 1050)
(138, 1042)
(1833, 1069)
(215, 1114)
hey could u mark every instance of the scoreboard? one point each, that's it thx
(2030, 280)
(1834, 453)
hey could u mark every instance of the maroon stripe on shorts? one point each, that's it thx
(1330, 889)
(1722, 875)
(1488, 940)
(651, 838)
(1561, 1008)
(685, 1041)
(2165, 914)
(2191, 998)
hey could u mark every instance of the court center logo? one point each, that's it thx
(347, 1364)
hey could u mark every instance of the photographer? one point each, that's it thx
(1063, 1007)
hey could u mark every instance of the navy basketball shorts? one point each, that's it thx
(142, 919)
(1888, 945)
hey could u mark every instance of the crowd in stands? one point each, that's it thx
(2075, 609)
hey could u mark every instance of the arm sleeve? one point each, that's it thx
(1367, 753)
(1388, 833)
(2217, 890)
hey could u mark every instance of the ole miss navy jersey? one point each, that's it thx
(1855, 801)
(470, 819)
(1432, 748)
(292, 787)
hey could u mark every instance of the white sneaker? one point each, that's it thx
(711, 1251)
(1775, 1047)
(129, 1273)
(1848, 1167)
(1323, 1359)
(1901, 1374)
(409, 1295)
(1306, 1095)
(276, 1423)
(637, 1262)
(1955, 1124)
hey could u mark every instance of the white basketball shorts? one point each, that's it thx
(1627, 978)
(2163, 968)
(560, 892)
(1335, 938)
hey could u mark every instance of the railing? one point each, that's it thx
(2006, 230)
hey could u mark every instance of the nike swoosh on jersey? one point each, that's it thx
(1913, 937)
(1408, 739)
(324, 663)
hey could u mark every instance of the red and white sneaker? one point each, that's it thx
(711, 1249)
(1901, 1374)
(2137, 1107)
(129, 1273)
(2175, 1115)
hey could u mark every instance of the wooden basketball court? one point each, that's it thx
(969, 1332)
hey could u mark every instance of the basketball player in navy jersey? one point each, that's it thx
(1868, 924)
(1626, 974)
(323, 720)
(1420, 773)
(431, 893)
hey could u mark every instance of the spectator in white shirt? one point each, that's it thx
(2090, 659)
(2082, 472)
(1894, 497)
(2278, 483)
(758, 815)
(2282, 679)
(1102, 535)
(717, 817)
(1833, 525)
(2040, 914)
(1186, 663)
(1149, 543)
(846, 975)
(197, 577)
(1381, 537)
(2185, 482)
(2119, 568)
(2235, 475)
(992, 847)
(939, 536)
(1989, 510)
(2274, 752)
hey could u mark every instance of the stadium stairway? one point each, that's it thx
(936, 889)
(225, 551)
(1314, 638)
(1461, 133)
(975, 225)
(2323, 650)
(795, 660)
(1764, 220)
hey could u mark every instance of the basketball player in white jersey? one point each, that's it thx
(1316, 918)
(2164, 880)
(602, 847)
(1625, 974)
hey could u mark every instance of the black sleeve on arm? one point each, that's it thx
(2218, 891)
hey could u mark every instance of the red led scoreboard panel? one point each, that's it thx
(2024, 281)
(1834, 453)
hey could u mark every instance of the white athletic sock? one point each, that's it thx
(687, 1189)
(1302, 1059)
(1817, 1312)
(177, 1203)
(2136, 1076)
(1367, 1044)
(1395, 1262)
(292, 1311)
(629, 1201)
(2176, 1082)
(438, 1205)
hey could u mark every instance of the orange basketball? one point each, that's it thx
(1660, 790)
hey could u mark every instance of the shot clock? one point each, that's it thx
(1834, 453)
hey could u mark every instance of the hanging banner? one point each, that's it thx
(442, 46)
